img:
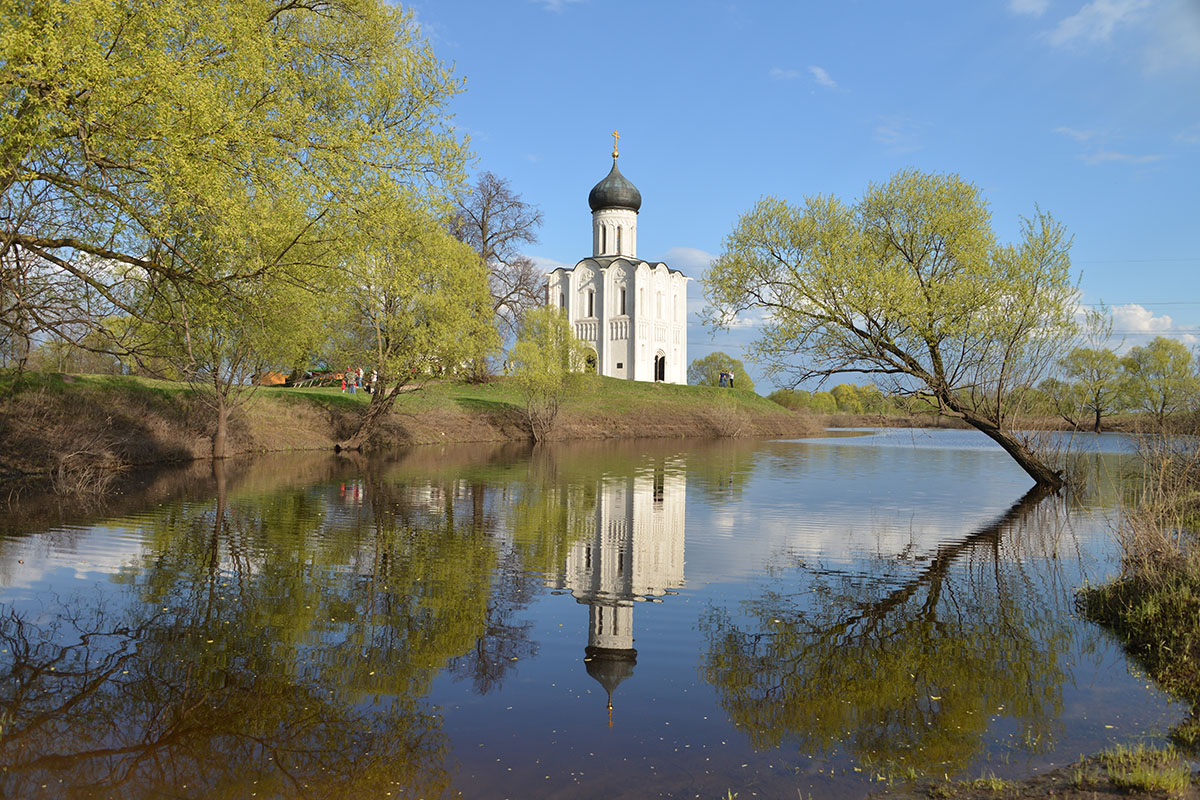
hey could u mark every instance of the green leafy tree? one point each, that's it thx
(1063, 399)
(823, 403)
(220, 338)
(847, 397)
(415, 305)
(1096, 372)
(707, 371)
(908, 284)
(136, 140)
(1161, 378)
(792, 399)
(548, 367)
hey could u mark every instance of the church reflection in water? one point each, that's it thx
(634, 553)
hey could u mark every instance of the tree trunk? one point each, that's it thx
(221, 433)
(1097, 419)
(377, 410)
(1041, 473)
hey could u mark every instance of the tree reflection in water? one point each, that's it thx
(904, 676)
(243, 660)
(282, 643)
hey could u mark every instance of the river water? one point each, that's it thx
(636, 619)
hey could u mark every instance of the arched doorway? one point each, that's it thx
(590, 362)
(660, 366)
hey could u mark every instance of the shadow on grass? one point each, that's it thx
(499, 413)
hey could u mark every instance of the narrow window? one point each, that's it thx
(591, 303)
(603, 240)
(562, 300)
(618, 239)
(622, 299)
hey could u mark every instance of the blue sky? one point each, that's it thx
(1089, 109)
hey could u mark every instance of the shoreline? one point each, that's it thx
(77, 431)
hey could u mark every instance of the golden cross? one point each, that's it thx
(615, 137)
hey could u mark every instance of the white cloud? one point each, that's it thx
(691, 261)
(1097, 154)
(741, 321)
(1189, 135)
(1077, 135)
(548, 265)
(1141, 324)
(898, 133)
(1096, 21)
(822, 77)
(555, 5)
(1033, 8)
(781, 74)
(1100, 156)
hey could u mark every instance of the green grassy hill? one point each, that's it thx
(86, 425)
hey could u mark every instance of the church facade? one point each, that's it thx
(632, 314)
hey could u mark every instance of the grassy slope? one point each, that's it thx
(47, 421)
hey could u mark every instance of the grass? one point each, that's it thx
(1146, 769)
(90, 425)
(1154, 604)
(991, 783)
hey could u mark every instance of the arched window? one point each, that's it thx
(623, 300)
(603, 240)
(591, 302)
(618, 239)
(562, 300)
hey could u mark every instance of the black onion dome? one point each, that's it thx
(615, 191)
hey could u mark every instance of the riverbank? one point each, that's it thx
(1140, 773)
(79, 430)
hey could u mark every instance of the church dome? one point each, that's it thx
(615, 191)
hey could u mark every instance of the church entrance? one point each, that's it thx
(660, 367)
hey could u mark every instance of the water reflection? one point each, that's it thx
(635, 553)
(907, 674)
(311, 625)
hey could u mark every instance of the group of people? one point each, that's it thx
(727, 379)
(353, 379)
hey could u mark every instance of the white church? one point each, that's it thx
(631, 313)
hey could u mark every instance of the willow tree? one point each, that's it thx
(132, 136)
(548, 364)
(909, 285)
(415, 306)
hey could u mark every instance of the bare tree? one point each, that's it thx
(495, 221)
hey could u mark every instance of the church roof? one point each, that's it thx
(615, 191)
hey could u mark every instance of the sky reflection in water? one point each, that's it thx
(601, 619)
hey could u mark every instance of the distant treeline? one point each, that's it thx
(1158, 382)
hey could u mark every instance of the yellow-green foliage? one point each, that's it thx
(548, 366)
(909, 282)
(1146, 769)
(201, 167)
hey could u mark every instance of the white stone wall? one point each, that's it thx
(654, 323)
(614, 232)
